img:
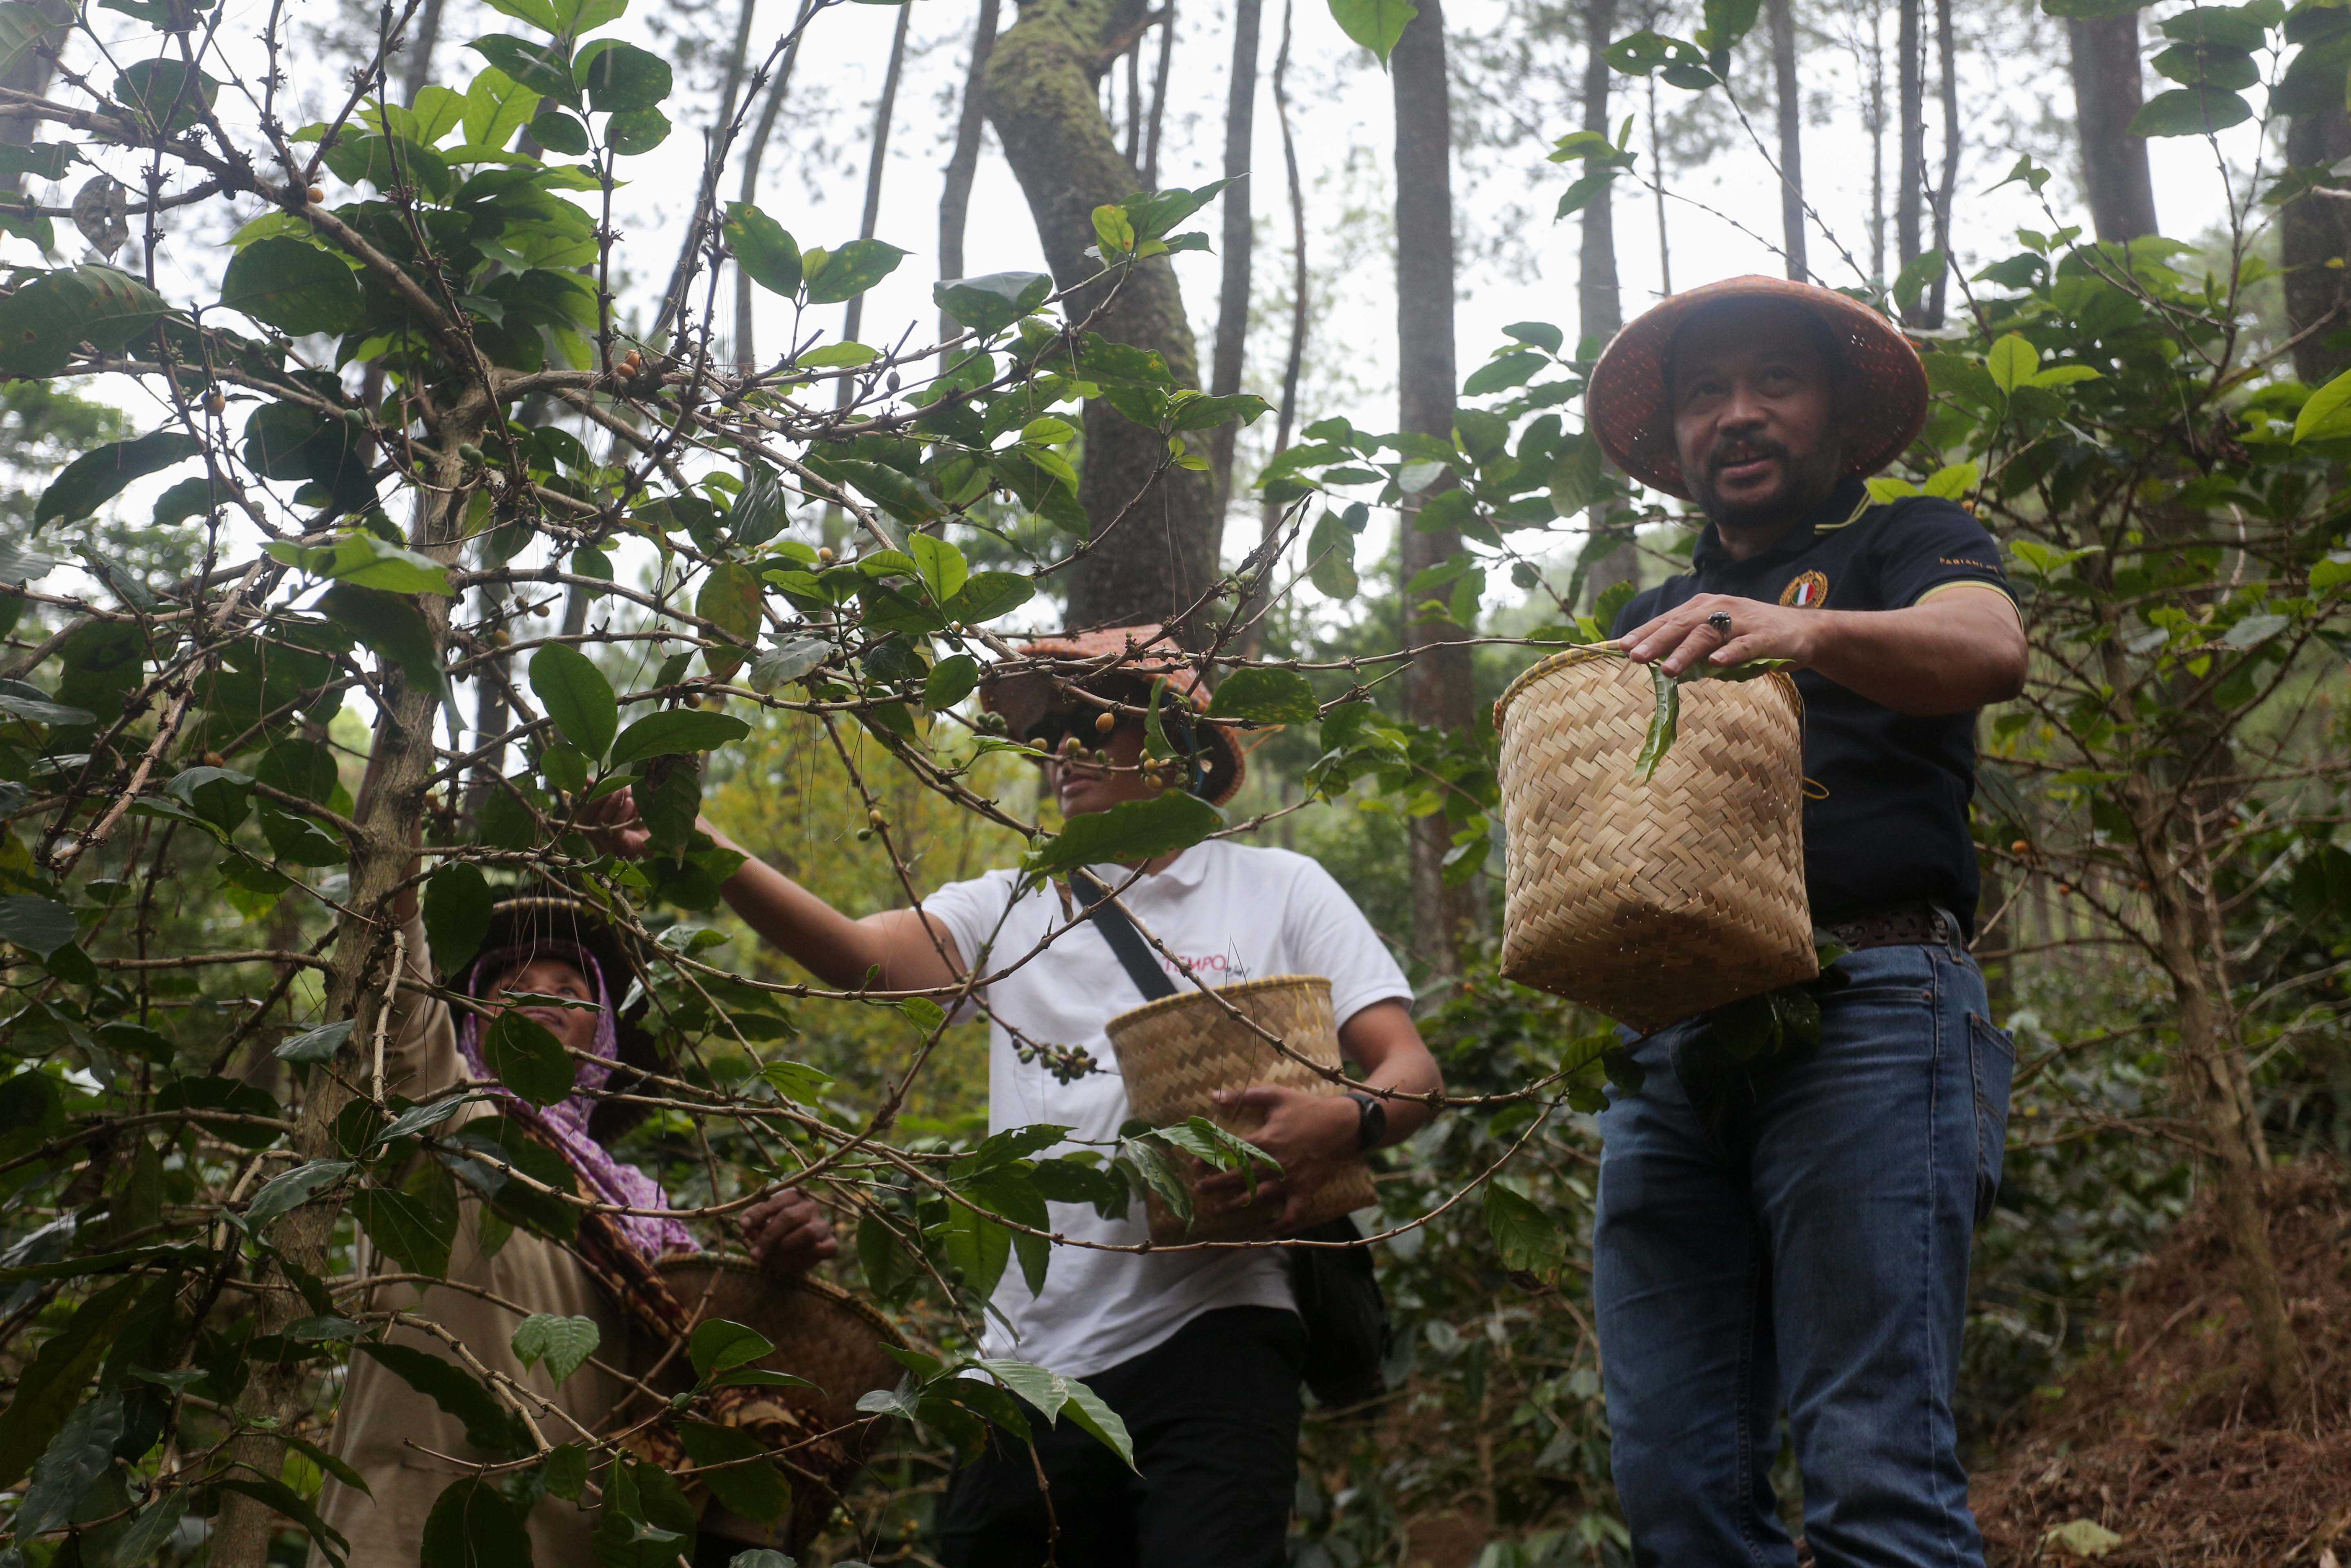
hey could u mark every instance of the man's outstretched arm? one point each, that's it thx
(910, 951)
(1960, 649)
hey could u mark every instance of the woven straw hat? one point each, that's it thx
(548, 915)
(1631, 405)
(1142, 654)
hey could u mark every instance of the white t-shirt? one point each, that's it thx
(1235, 913)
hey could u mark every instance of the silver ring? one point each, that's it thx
(1720, 622)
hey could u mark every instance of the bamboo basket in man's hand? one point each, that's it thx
(1652, 887)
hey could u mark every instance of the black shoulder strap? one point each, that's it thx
(1133, 953)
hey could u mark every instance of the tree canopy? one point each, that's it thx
(364, 443)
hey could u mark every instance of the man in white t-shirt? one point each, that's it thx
(1199, 1352)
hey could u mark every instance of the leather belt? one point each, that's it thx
(1921, 924)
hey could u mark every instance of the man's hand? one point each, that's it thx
(613, 826)
(1310, 1134)
(789, 1233)
(1682, 636)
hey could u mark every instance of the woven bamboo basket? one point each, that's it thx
(1175, 1052)
(1652, 901)
(820, 1333)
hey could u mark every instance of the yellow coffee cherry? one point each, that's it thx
(1105, 721)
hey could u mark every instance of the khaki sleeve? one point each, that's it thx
(420, 1052)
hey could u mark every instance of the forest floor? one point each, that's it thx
(2165, 1444)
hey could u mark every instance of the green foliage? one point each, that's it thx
(1525, 1238)
(96, 478)
(293, 286)
(764, 251)
(1134, 831)
(832, 277)
(718, 1345)
(563, 1343)
(989, 304)
(474, 431)
(473, 1525)
(527, 1059)
(577, 696)
(675, 732)
(363, 560)
(1376, 25)
(740, 1476)
(1260, 695)
(45, 321)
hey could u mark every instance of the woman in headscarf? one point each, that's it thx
(406, 1447)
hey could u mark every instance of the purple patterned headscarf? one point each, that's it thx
(566, 1121)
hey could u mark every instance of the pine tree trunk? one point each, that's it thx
(963, 165)
(1161, 558)
(746, 349)
(1159, 95)
(1269, 513)
(1437, 689)
(423, 40)
(383, 852)
(1134, 105)
(876, 165)
(739, 60)
(1665, 248)
(1910, 168)
(1239, 239)
(1600, 307)
(1876, 122)
(2313, 230)
(1790, 94)
(2107, 91)
(1945, 188)
(490, 711)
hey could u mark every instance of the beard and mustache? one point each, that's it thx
(1799, 480)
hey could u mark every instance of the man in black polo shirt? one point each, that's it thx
(1796, 1237)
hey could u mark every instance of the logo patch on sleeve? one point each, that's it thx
(1805, 590)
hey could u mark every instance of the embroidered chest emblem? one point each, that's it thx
(1805, 590)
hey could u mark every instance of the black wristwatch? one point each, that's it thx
(1372, 1126)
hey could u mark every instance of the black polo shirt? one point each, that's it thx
(1891, 831)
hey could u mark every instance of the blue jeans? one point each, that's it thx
(1812, 1254)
